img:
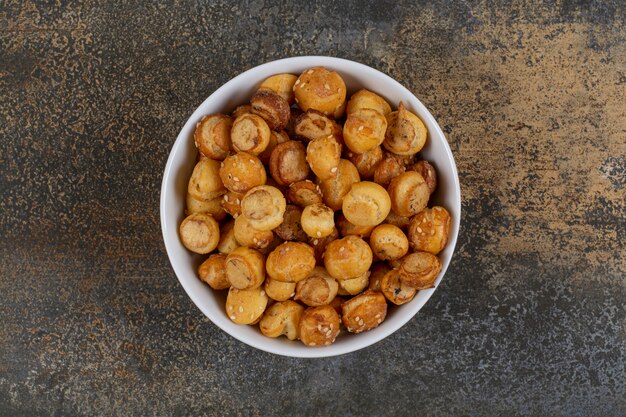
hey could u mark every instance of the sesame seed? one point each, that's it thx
(357, 318)
(297, 81)
(232, 317)
(380, 321)
(262, 293)
(327, 343)
(260, 307)
(252, 161)
(419, 230)
(237, 201)
(221, 165)
(312, 344)
(226, 197)
(350, 154)
(319, 233)
(230, 307)
(377, 316)
(235, 215)
(319, 327)
(315, 242)
(333, 169)
(292, 294)
(241, 309)
(326, 86)
(360, 128)
(361, 322)
(310, 71)
(251, 315)
(331, 325)
(236, 179)
(255, 240)
(341, 249)
(329, 332)
(437, 208)
(302, 85)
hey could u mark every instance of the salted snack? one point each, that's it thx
(388, 242)
(291, 228)
(365, 99)
(304, 193)
(281, 84)
(323, 156)
(231, 203)
(278, 290)
(419, 270)
(200, 233)
(428, 172)
(319, 326)
(366, 204)
(349, 257)
(245, 268)
(212, 136)
(250, 133)
(428, 230)
(228, 241)
(366, 162)
(313, 124)
(205, 183)
(273, 108)
(387, 169)
(290, 262)
(409, 193)
(364, 312)
(318, 289)
(212, 207)
(245, 306)
(213, 273)
(364, 130)
(318, 220)
(406, 133)
(395, 290)
(241, 110)
(288, 163)
(282, 318)
(354, 286)
(400, 221)
(319, 245)
(246, 235)
(322, 90)
(275, 139)
(378, 271)
(334, 189)
(242, 171)
(264, 207)
(346, 228)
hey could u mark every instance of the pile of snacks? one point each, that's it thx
(314, 209)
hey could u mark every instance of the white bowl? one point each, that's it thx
(181, 162)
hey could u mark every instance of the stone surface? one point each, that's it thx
(530, 319)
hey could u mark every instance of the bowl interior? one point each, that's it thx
(181, 162)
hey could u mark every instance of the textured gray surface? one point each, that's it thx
(530, 318)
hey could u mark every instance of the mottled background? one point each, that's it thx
(530, 319)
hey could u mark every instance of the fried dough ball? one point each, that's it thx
(290, 262)
(399, 221)
(278, 290)
(319, 326)
(275, 139)
(366, 204)
(231, 203)
(354, 286)
(406, 133)
(319, 245)
(419, 270)
(409, 193)
(427, 171)
(288, 163)
(241, 110)
(228, 241)
(364, 312)
(212, 207)
(323, 156)
(366, 162)
(212, 136)
(273, 108)
(346, 258)
(428, 230)
(378, 271)
(317, 289)
(205, 183)
(304, 193)
(245, 268)
(365, 99)
(282, 318)
(281, 84)
(200, 233)
(312, 125)
(247, 235)
(250, 133)
(364, 130)
(213, 273)
(346, 228)
(395, 290)
(245, 306)
(322, 90)
(242, 171)
(291, 228)
(318, 220)
(334, 189)
(264, 207)
(387, 169)
(389, 242)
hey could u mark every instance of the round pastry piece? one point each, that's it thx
(212, 136)
(282, 318)
(312, 125)
(275, 139)
(366, 162)
(406, 133)
(336, 304)
(364, 312)
(317, 289)
(278, 290)
(212, 207)
(247, 235)
(419, 270)
(364, 130)
(349, 257)
(291, 228)
(250, 133)
(334, 189)
(304, 193)
(354, 286)
(389, 242)
(242, 171)
(322, 90)
(245, 268)
(346, 228)
(318, 220)
(378, 271)
(213, 273)
(428, 172)
(319, 245)
(387, 169)
(288, 163)
(241, 110)
(205, 183)
(228, 241)
(428, 230)
(409, 193)
(281, 84)
(264, 207)
(399, 221)
(231, 203)
(366, 204)
(273, 108)
(200, 233)
(319, 326)
(395, 290)
(245, 306)
(290, 262)
(365, 99)
(323, 156)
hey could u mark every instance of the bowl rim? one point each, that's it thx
(358, 344)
